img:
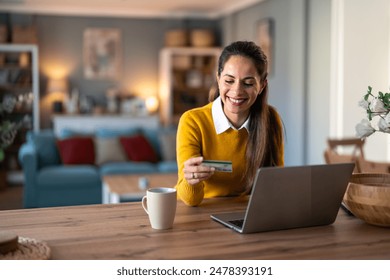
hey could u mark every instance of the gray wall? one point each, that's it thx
(287, 82)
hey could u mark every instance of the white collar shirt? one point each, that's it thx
(220, 120)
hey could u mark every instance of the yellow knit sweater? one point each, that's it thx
(196, 136)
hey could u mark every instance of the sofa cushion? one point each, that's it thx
(167, 140)
(68, 177)
(77, 150)
(108, 150)
(167, 166)
(65, 185)
(45, 144)
(152, 136)
(138, 148)
(128, 167)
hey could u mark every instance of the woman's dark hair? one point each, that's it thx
(265, 137)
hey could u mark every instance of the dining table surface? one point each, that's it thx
(123, 231)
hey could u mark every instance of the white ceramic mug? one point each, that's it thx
(160, 205)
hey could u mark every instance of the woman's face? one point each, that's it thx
(239, 85)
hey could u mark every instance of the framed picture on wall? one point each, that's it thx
(265, 39)
(102, 53)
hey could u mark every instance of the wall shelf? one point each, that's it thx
(186, 75)
(19, 78)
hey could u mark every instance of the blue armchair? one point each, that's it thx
(50, 183)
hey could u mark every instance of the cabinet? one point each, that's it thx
(19, 82)
(186, 75)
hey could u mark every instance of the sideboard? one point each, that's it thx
(89, 123)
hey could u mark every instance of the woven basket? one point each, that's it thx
(28, 249)
(176, 38)
(202, 38)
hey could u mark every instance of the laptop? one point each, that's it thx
(291, 197)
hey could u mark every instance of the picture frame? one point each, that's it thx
(102, 53)
(265, 39)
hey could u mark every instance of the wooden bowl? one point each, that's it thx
(368, 198)
(371, 178)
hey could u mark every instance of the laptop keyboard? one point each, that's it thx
(238, 223)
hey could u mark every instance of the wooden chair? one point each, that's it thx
(356, 154)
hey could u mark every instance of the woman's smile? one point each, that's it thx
(237, 101)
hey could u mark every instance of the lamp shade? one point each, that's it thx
(57, 85)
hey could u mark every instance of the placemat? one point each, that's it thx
(28, 249)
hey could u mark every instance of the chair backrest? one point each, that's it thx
(354, 146)
(356, 154)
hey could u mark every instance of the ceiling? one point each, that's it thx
(128, 8)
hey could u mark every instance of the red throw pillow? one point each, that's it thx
(77, 150)
(138, 148)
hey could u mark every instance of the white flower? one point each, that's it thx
(364, 129)
(9, 103)
(383, 125)
(377, 107)
(7, 137)
(364, 104)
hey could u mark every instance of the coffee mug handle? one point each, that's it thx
(145, 204)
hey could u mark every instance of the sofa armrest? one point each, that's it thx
(28, 159)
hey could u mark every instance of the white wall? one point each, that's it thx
(364, 61)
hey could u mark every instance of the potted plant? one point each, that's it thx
(378, 114)
(8, 130)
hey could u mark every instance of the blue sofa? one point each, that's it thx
(49, 182)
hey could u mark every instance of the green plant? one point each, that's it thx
(8, 128)
(377, 108)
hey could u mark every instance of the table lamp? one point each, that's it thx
(57, 89)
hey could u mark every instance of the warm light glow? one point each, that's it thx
(143, 88)
(151, 104)
(56, 68)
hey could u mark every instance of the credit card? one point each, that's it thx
(219, 165)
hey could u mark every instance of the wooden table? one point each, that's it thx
(122, 231)
(117, 188)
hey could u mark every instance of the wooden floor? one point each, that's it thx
(11, 197)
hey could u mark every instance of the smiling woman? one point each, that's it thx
(237, 126)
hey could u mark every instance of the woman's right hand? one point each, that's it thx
(195, 172)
